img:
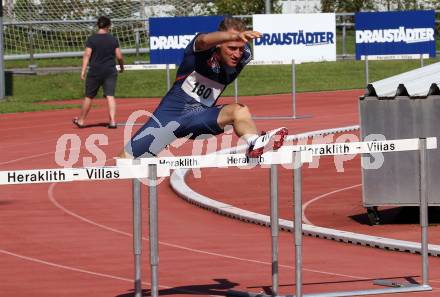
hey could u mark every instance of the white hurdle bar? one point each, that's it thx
(286, 155)
(421, 145)
(269, 159)
(294, 155)
(150, 168)
(134, 172)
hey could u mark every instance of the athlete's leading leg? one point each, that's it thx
(244, 126)
(240, 118)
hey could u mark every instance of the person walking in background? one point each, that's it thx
(102, 49)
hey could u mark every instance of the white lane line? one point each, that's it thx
(305, 205)
(45, 154)
(25, 158)
(9, 146)
(70, 268)
(99, 274)
(59, 206)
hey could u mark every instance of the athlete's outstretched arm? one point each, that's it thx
(206, 41)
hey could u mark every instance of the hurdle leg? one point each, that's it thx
(424, 212)
(274, 225)
(293, 89)
(393, 287)
(153, 221)
(168, 77)
(297, 190)
(137, 237)
(423, 207)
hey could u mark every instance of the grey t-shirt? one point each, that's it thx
(102, 60)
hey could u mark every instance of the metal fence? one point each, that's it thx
(57, 39)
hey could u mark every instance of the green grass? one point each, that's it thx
(254, 80)
(323, 76)
(14, 107)
(61, 62)
(65, 62)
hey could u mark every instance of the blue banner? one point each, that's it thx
(395, 33)
(170, 35)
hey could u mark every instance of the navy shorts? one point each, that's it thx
(108, 83)
(174, 118)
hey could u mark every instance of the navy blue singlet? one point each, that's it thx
(188, 109)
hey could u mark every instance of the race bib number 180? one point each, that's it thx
(202, 89)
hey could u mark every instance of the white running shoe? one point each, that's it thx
(271, 140)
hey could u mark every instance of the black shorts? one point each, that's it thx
(108, 84)
(171, 120)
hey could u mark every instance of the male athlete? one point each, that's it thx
(211, 61)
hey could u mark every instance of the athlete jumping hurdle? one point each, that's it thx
(211, 61)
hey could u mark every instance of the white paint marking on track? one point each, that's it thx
(65, 267)
(26, 158)
(105, 275)
(59, 206)
(305, 205)
(42, 154)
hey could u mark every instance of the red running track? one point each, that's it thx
(74, 239)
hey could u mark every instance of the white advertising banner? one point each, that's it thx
(302, 37)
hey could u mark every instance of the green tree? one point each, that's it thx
(402, 4)
(370, 5)
(249, 7)
(347, 5)
(431, 4)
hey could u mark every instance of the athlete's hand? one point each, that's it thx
(247, 36)
(83, 75)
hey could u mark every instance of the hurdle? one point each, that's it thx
(224, 160)
(421, 145)
(293, 92)
(295, 155)
(149, 169)
(291, 155)
(61, 175)
(392, 287)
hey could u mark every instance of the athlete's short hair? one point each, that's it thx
(232, 23)
(103, 22)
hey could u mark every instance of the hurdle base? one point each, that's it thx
(129, 124)
(400, 289)
(255, 118)
(296, 117)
